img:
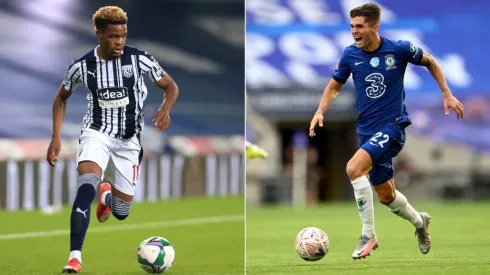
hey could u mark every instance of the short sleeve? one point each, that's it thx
(73, 77)
(410, 52)
(149, 65)
(342, 71)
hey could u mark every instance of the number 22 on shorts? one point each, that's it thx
(374, 140)
(136, 169)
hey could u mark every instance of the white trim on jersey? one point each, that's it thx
(151, 66)
(123, 113)
(72, 78)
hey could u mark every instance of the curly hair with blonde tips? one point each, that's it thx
(109, 15)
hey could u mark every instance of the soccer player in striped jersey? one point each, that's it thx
(110, 138)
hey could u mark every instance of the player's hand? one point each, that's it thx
(54, 150)
(451, 102)
(317, 120)
(161, 120)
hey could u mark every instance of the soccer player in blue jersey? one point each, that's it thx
(377, 65)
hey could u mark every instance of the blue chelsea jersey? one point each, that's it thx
(378, 79)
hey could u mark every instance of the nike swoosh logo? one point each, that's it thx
(357, 63)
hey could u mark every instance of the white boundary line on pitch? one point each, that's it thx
(125, 227)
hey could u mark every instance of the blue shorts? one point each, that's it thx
(383, 146)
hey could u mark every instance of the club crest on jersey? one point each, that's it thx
(374, 62)
(127, 71)
(390, 62)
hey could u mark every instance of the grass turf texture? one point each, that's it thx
(203, 245)
(459, 231)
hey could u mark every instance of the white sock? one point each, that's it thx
(364, 198)
(77, 254)
(402, 208)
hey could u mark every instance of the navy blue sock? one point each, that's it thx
(80, 215)
(108, 200)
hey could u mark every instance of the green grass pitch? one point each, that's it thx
(460, 240)
(208, 236)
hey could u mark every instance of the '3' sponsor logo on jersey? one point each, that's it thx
(377, 87)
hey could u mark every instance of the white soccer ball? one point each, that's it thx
(312, 244)
(156, 255)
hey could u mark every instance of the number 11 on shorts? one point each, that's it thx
(135, 173)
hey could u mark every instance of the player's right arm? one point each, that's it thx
(59, 110)
(330, 93)
(69, 85)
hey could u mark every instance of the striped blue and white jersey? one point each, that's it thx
(116, 90)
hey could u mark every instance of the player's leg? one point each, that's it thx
(117, 201)
(119, 198)
(399, 205)
(116, 198)
(384, 184)
(357, 169)
(92, 159)
(397, 202)
(103, 211)
(366, 160)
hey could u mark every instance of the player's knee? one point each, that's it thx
(120, 208)
(89, 178)
(353, 171)
(359, 165)
(89, 167)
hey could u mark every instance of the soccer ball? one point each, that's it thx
(312, 244)
(156, 255)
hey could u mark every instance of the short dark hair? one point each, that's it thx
(109, 15)
(370, 11)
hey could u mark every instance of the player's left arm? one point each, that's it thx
(171, 92)
(161, 120)
(450, 101)
(162, 80)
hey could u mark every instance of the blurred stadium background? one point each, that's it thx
(199, 159)
(292, 48)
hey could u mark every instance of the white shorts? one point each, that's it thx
(119, 159)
